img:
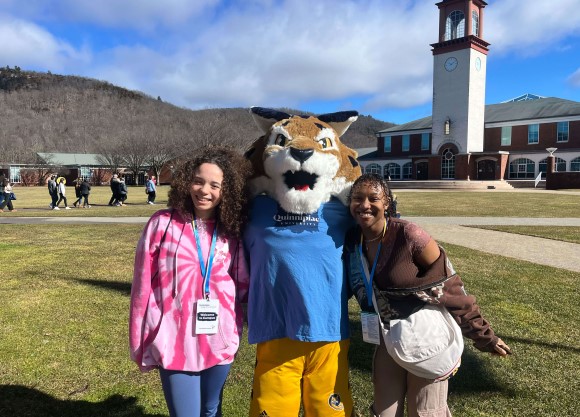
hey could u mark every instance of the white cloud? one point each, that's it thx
(574, 79)
(530, 28)
(215, 53)
(286, 54)
(29, 46)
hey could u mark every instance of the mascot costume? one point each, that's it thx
(297, 309)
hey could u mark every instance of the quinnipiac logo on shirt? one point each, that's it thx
(304, 221)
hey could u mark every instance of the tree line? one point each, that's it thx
(44, 112)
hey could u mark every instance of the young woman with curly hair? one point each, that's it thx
(189, 282)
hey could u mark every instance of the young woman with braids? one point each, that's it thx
(407, 260)
(189, 282)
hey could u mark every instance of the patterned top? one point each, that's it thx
(167, 284)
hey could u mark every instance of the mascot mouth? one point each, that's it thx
(300, 180)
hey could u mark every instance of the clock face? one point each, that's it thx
(451, 63)
(478, 63)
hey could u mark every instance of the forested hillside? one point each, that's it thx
(44, 112)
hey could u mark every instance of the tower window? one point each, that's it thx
(455, 25)
(475, 23)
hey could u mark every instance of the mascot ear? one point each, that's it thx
(265, 118)
(339, 121)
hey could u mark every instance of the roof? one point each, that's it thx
(510, 111)
(365, 152)
(420, 124)
(71, 159)
(542, 108)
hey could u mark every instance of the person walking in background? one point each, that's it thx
(6, 192)
(78, 194)
(151, 190)
(61, 194)
(189, 282)
(53, 191)
(114, 190)
(122, 191)
(85, 190)
(409, 271)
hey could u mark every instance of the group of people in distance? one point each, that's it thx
(192, 275)
(119, 191)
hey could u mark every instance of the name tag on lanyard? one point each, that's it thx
(370, 327)
(207, 317)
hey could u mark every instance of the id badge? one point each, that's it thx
(207, 315)
(370, 327)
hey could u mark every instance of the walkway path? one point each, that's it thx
(451, 230)
(533, 249)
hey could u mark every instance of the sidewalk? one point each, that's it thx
(443, 229)
(541, 251)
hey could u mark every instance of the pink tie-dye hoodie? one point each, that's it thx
(167, 283)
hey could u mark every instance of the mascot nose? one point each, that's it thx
(301, 155)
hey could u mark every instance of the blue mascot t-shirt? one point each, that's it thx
(297, 285)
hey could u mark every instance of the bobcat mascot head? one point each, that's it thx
(300, 161)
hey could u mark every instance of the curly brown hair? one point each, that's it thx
(231, 213)
(375, 180)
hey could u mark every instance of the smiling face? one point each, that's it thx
(206, 190)
(368, 203)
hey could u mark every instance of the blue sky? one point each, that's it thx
(372, 56)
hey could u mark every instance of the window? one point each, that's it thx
(506, 136)
(562, 135)
(15, 174)
(425, 142)
(387, 144)
(475, 23)
(455, 25)
(373, 169)
(533, 134)
(408, 171)
(392, 171)
(522, 168)
(560, 166)
(86, 172)
(447, 164)
(406, 142)
(575, 164)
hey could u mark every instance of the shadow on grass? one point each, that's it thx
(122, 287)
(473, 376)
(556, 346)
(20, 401)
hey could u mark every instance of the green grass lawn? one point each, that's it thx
(494, 204)
(33, 201)
(64, 349)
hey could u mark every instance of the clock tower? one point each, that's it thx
(459, 60)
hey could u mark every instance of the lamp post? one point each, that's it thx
(550, 167)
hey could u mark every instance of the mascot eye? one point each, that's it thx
(280, 140)
(325, 143)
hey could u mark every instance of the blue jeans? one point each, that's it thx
(194, 394)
